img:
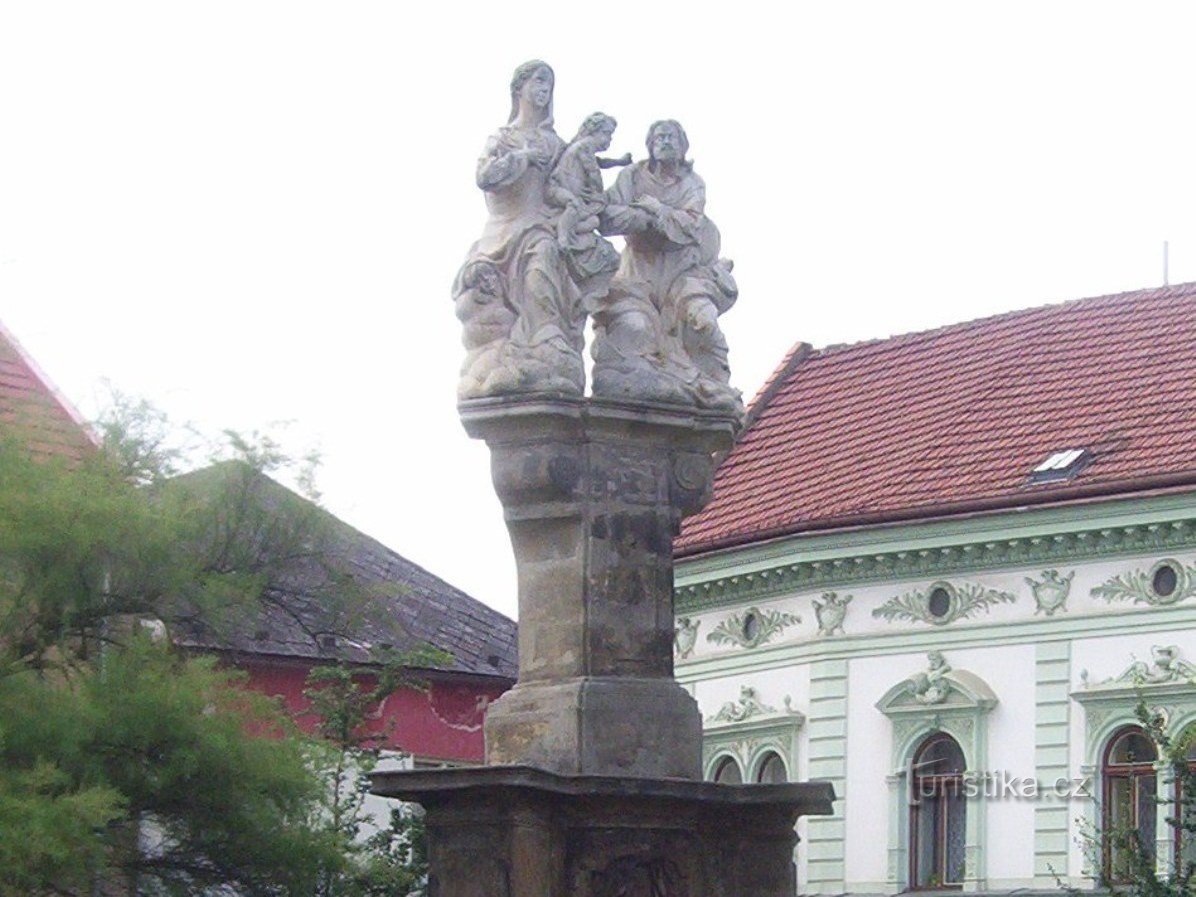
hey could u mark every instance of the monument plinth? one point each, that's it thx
(519, 832)
(591, 787)
(593, 492)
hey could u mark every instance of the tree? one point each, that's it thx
(126, 764)
(1126, 862)
(384, 859)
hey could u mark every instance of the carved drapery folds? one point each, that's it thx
(542, 266)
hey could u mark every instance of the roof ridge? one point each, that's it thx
(1175, 288)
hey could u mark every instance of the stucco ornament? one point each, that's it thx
(522, 291)
(1166, 582)
(751, 628)
(1166, 666)
(656, 333)
(1050, 593)
(942, 603)
(830, 612)
(932, 686)
(748, 705)
(685, 636)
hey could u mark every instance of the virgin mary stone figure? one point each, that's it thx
(522, 315)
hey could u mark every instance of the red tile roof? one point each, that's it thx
(33, 410)
(954, 420)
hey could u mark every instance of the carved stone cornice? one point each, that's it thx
(930, 563)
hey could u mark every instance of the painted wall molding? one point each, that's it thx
(1056, 550)
(1031, 630)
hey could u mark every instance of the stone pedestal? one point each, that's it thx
(593, 493)
(590, 787)
(519, 832)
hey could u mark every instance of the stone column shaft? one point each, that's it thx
(593, 493)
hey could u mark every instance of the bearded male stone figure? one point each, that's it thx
(656, 334)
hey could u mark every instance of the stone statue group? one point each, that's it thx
(543, 266)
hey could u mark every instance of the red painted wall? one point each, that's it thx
(440, 721)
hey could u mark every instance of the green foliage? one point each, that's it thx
(126, 765)
(383, 860)
(155, 754)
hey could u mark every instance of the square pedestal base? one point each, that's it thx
(521, 832)
(598, 726)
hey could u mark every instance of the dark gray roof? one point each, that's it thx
(346, 596)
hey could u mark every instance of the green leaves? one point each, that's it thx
(121, 759)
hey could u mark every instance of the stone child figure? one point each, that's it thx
(932, 686)
(522, 311)
(656, 335)
(576, 187)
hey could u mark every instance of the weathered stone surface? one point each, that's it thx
(523, 291)
(590, 788)
(656, 333)
(640, 727)
(517, 832)
(593, 493)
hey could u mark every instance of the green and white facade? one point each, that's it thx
(1047, 620)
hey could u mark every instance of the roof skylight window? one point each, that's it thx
(1061, 466)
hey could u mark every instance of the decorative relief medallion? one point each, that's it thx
(751, 628)
(942, 603)
(685, 636)
(1166, 582)
(1050, 593)
(830, 612)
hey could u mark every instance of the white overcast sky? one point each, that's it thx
(251, 212)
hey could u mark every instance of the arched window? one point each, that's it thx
(938, 814)
(1129, 798)
(728, 772)
(771, 770)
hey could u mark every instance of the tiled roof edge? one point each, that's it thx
(48, 385)
(1138, 486)
(795, 356)
(302, 660)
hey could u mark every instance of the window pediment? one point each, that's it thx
(1166, 674)
(939, 688)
